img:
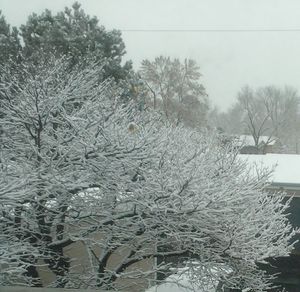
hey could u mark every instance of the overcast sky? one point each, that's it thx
(228, 60)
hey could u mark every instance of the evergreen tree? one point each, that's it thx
(71, 32)
(9, 41)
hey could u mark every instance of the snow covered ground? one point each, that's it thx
(174, 283)
(180, 282)
(171, 287)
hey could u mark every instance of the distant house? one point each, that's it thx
(266, 144)
(285, 177)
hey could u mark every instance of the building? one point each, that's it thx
(266, 144)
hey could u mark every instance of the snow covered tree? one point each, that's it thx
(70, 33)
(93, 191)
(175, 88)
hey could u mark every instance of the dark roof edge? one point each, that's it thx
(294, 186)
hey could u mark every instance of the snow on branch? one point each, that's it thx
(81, 170)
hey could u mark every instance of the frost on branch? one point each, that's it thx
(83, 172)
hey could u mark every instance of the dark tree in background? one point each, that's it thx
(10, 46)
(10, 49)
(71, 32)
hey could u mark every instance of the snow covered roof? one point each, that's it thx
(247, 140)
(286, 167)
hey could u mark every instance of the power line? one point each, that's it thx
(211, 30)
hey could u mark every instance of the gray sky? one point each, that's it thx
(228, 60)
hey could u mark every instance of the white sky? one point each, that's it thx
(228, 60)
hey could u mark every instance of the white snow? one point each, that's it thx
(172, 287)
(176, 283)
(286, 166)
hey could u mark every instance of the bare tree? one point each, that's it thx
(83, 171)
(267, 111)
(257, 115)
(176, 86)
